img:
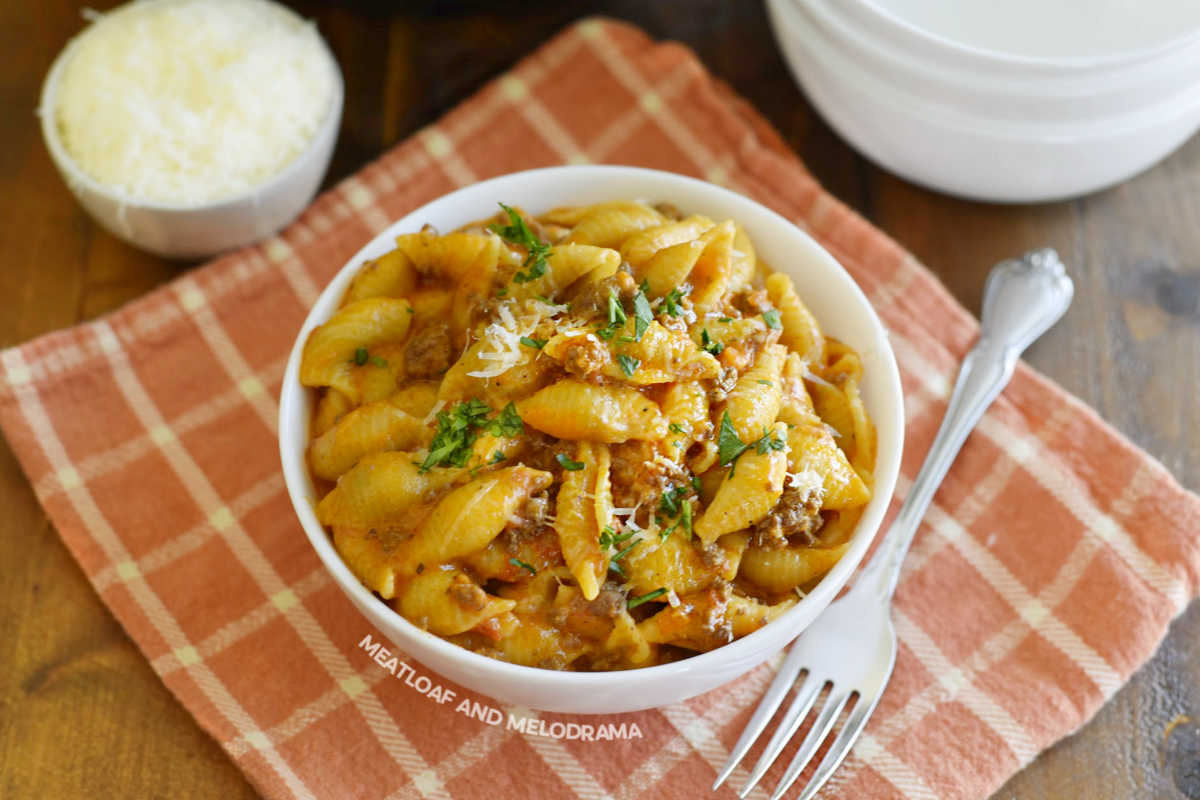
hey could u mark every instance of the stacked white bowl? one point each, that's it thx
(1019, 101)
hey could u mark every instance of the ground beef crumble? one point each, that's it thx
(796, 519)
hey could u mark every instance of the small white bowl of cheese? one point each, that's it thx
(191, 127)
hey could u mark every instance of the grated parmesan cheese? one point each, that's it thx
(187, 102)
(503, 336)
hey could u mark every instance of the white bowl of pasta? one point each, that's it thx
(585, 453)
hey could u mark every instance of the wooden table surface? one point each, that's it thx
(81, 712)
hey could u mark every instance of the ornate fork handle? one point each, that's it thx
(1022, 299)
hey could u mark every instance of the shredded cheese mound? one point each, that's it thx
(808, 482)
(503, 336)
(188, 102)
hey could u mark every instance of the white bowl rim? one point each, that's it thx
(886, 473)
(76, 176)
(1000, 58)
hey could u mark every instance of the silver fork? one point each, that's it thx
(851, 647)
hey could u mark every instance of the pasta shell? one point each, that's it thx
(571, 409)
(748, 493)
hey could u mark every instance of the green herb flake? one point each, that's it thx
(696, 484)
(497, 457)
(675, 427)
(771, 317)
(610, 538)
(668, 501)
(361, 356)
(768, 442)
(459, 427)
(379, 362)
(535, 271)
(671, 301)
(516, 562)
(724, 319)
(616, 314)
(685, 517)
(710, 344)
(628, 364)
(642, 315)
(644, 286)
(634, 602)
(507, 423)
(566, 463)
(625, 552)
(764, 383)
(729, 444)
(518, 233)
(536, 344)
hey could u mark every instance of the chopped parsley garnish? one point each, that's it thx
(729, 444)
(674, 505)
(668, 501)
(642, 315)
(696, 484)
(566, 463)
(497, 457)
(771, 317)
(767, 442)
(516, 562)
(379, 362)
(361, 356)
(610, 538)
(671, 301)
(459, 427)
(616, 317)
(764, 383)
(644, 286)
(634, 602)
(507, 423)
(616, 314)
(503, 290)
(675, 427)
(536, 344)
(625, 552)
(536, 250)
(724, 319)
(628, 364)
(710, 344)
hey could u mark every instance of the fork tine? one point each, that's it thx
(806, 695)
(855, 723)
(762, 715)
(820, 729)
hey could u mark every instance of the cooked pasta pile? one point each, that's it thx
(601, 438)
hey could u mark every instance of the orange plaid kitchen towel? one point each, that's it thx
(1047, 571)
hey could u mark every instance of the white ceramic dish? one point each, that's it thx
(829, 291)
(987, 125)
(198, 231)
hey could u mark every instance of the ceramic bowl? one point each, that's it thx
(197, 231)
(987, 125)
(832, 295)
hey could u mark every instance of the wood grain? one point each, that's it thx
(81, 712)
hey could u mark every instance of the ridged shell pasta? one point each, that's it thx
(600, 438)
